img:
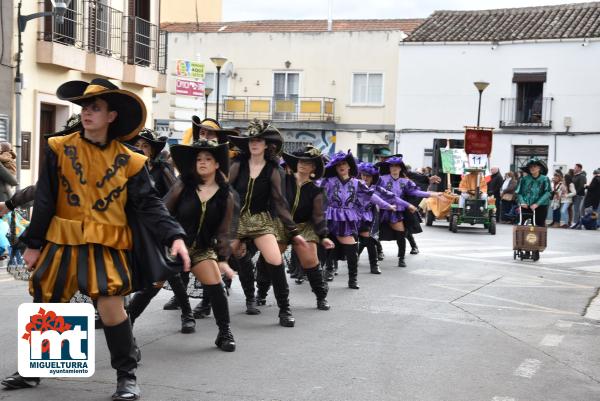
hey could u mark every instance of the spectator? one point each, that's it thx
(580, 181)
(495, 187)
(557, 194)
(507, 195)
(8, 171)
(592, 198)
(566, 201)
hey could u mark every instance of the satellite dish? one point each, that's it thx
(228, 69)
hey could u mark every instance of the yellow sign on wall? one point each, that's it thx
(189, 69)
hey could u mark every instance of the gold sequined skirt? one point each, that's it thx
(200, 255)
(305, 229)
(254, 225)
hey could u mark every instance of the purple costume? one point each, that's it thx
(401, 187)
(345, 201)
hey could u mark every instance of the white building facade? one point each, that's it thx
(543, 97)
(333, 88)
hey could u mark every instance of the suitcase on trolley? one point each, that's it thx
(528, 238)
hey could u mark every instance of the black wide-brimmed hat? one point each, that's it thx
(156, 142)
(129, 107)
(309, 154)
(539, 162)
(185, 156)
(210, 124)
(260, 130)
(336, 159)
(384, 166)
(72, 125)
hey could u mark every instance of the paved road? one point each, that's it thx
(463, 322)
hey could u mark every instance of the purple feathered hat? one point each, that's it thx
(337, 159)
(370, 169)
(384, 166)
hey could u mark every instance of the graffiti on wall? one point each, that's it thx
(323, 140)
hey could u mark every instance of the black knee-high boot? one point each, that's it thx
(139, 301)
(401, 241)
(414, 249)
(372, 251)
(172, 303)
(281, 290)
(330, 261)
(362, 243)
(245, 269)
(263, 281)
(122, 349)
(220, 308)
(202, 310)
(318, 286)
(380, 255)
(188, 324)
(351, 253)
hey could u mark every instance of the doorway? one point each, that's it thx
(286, 89)
(47, 126)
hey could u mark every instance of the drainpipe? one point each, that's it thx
(329, 17)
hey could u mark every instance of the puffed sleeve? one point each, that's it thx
(172, 197)
(21, 197)
(391, 198)
(150, 209)
(366, 195)
(46, 192)
(226, 229)
(318, 215)
(412, 190)
(280, 204)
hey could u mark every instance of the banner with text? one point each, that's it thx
(189, 69)
(189, 88)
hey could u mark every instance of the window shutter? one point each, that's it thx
(4, 134)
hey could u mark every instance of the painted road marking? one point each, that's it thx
(528, 368)
(564, 325)
(454, 249)
(593, 268)
(551, 340)
(593, 310)
(496, 398)
(507, 252)
(570, 259)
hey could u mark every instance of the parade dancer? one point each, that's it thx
(163, 178)
(307, 209)
(256, 178)
(91, 189)
(392, 223)
(346, 197)
(204, 205)
(369, 224)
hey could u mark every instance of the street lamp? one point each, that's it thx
(480, 85)
(207, 92)
(218, 62)
(59, 8)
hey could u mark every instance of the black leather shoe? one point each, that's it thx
(300, 280)
(380, 256)
(414, 251)
(375, 269)
(127, 390)
(328, 275)
(251, 307)
(188, 323)
(16, 381)
(353, 284)
(171, 304)
(322, 304)
(261, 301)
(401, 263)
(201, 311)
(286, 319)
(225, 340)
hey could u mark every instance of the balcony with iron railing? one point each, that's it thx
(97, 29)
(315, 109)
(526, 112)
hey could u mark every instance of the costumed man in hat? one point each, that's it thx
(346, 197)
(468, 186)
(256, 177)
(204, 204)
(163, 178)
(91, 191)
(534, 193)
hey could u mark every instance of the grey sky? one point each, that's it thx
(239, 10)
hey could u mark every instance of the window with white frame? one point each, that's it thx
(367, 89)
(209, 82)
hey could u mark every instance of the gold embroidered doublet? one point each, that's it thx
(92, 192)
